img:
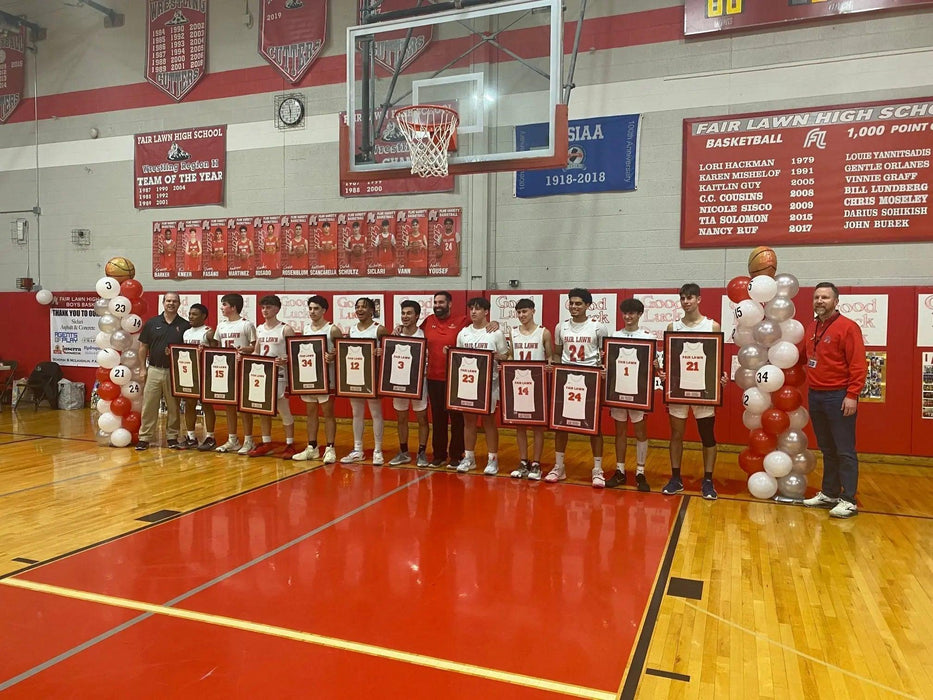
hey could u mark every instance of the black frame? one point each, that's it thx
(507, 411)
(590, 423)
(266, 407)
(484, 363)
(368, 389)
(297, 387)
(419, 348)
(174, 355)
(712, 391)
(645, 348)
(207, 359)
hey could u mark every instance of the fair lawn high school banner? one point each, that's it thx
(180, 168)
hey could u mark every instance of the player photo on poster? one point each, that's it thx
(307, 369)
(296, 246)
(354, 244)
(269, 246)
(469, 380)
(164, 265)
(444, 241)
(214, 248)
(258, 385)
(693, 368)
(356, 367)
(189, 250)
(220, 370)
(185, 371)
(523, 389)
(325, 244)
(629, 373)
(402, 366)
(384, 244)
(411, 232)
(241, 249)
(575, 393)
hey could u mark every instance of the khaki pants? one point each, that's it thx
(159, 386)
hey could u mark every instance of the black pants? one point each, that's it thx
(437, 395)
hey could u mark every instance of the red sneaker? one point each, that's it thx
(289, 451)
(262, 449)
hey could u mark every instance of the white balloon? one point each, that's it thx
(799, 417)
(103, 406)
(108, 358)
(121, 437)
(131, 323)
(121, 374)
(751, 420)
(120, 306)
(132, 390)
(792, 330)
(756, 400)
(107, 287)
(762, 288)
(109, 422)
(778, 464)
(748, 313)
(102, 340)
(743, 336)
(44, 297)
(762, 485)
(783, 354)
(769, 378)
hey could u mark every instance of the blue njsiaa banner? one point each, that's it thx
(602, 156)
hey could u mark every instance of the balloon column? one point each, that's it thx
(770, 373)
(120, 395)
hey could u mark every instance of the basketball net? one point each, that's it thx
(428, 130)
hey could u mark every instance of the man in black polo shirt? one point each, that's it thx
(168, 328)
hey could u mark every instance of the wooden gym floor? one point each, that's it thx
(184, 574)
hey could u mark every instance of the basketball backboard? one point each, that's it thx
(499, 65)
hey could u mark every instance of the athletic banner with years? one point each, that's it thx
(176, 45)
(12, 71)
(180, 168)
(291, 34)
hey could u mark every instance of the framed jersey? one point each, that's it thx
(403, 361)
(185, 371)
(629, 373)
(575, 394)
(469, 380)
(694, 367)
(258, 385)
(220, 371)
(523, 389)
(307, 369)
(356, 367)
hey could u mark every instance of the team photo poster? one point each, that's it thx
(575, 394)
(523, 389)
(469, 380)
(219, 367)
(185, 371)
(258, 385)
(356, 367)
(307, 369)
(402, 363)
(693, 368)
(629, 373)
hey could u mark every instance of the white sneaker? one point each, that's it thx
(422, 460)
(355, 456)
(492, 468)
(599, 479)
(330, 455)
(400, 458)
(843, 509)
(466, 464)
(231, 445)
(820, 500)
(555, 475)
(248, 446)
(378, 459)
(307, 454)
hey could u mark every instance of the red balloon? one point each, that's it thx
(121, 406)
(787, 398)
(794, 376)
(131, 421)
(108, 390)
(761, 442)
(103, 374)
(773, 421)
(737, 289)
(140, 307)
(131, 289)
(749, 462)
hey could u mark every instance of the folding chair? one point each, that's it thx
(42, 385)
(7, 375)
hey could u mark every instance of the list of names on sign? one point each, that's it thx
(176, 47)
(852, 174)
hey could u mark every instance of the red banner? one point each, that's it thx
(189, 250)
(291, 34)
(181, 168)
(355, 249)
(269, 247)
(214, 245)
(241, 248)
(12, 71)
(296, 244)
(848, 174)
(412, 237)
(388, 51)
(444, 242)
(704, 16)
(176, 45)
(164, 264)
(325, 239)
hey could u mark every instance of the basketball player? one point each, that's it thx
(193, 252)
(477, 336)
(298, 247)
(201, 336)
(218, 248)
(327, 247)
(385, 246)
(239, 333)
(449, 254)
(530, 341)
(244, 249)
(270, 248)
(366, 328)
(411, 312)
(270, 342)
(692, 322)
(578, 341)
(631, 309)
(356, 248)
(317, 307)
(417, 246)
(167, 249)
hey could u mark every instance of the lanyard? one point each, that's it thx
(817, 335)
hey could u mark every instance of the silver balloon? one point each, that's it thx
(792, 485)
(767, 332)
(745, 378)
(743, 336)
(780, 309)
(121, 340)
(787, 285)
(102, 340)
(750, 420)
(130, 358)
(102, 438)
(792, 330)
(804, 463)
(108, 323)
(100, 307)
(799, 417)
(792, 442)
(753, 356)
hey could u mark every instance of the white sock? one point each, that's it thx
(620, 467)
(598, 463)
(492, 456)
(289, 441)
(640, 469)
(267, 438)
(470, 455)
(641, 452)
(357, 446)
(558, 460)
(191, 435)
(210, 435)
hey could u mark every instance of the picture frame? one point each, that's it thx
(185, 370)
(221, 366)
(576, 393)
(629, 373)
(258, 385)
(307, 368)
(469, 380)
(523, 393)
(402, 366)
(356, 367)
(693, 378)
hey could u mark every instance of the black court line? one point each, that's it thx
(667, 674)
(685, 588)
(49, 437)
(630, 686)
(16, 442)
(159, 515)
(24, 560)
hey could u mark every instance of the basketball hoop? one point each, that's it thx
(428, 129)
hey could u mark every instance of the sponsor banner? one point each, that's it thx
(176, 45)
(241, 246)
(214, 248)
(412, 238)
(291, 34)
(344, 309)
(180, 168)
(870, 312)
(296, 245)
(73, 330)
(269, 245)
(325, 245)
(444, 241)
(925, 320)
(857, 173)
(603, 309)
(189, 249)
(397, 50)
(427, 307)
(602, 156)
(660, 310)
(12, 71)
(384, 244)
(705, 16)
(184, 306)
(164, 262)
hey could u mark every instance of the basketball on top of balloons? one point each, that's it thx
(120, 308)
(771, 373)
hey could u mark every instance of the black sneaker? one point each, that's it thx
(535, 473)
(617, 479)
(208, 445)
(673, 486)
(708, 490)
(642, 483)
(142, 445)
(439, 463)
(522, 471)
(188, 444)
(173, 445)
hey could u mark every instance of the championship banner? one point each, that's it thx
(388, 51)
(180, 168)
(12, 71)
(602, 156)
(176, 45)
(291, 34)
(73, 330)
(705, 16)
(851, 174)
(444, 241)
